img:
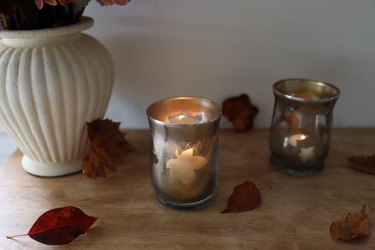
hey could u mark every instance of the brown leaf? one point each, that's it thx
(60, 226)
(240, 112)
(291, 118)
(363, 163)
(245, 196)
(353, 226)
(108, 148)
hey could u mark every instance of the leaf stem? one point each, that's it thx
(266, 186)
(17, 235)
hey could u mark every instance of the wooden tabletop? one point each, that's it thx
(295, 214)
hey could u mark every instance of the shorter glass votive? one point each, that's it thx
(301, 125)
(184, 151)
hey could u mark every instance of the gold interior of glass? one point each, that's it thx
(306, 89)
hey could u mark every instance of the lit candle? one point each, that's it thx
(301, 121)
(185, 118)
(307, 95)
(182, 169)
(293, 139)
(184, 150)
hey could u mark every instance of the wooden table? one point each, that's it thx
(295, 214)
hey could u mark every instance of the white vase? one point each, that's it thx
(53, 81)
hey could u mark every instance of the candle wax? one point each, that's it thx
(185, 118)
(293, 139)
(308, 95)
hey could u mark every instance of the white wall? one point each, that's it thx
(219, 48)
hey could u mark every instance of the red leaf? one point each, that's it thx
(363, 163)
(60, 226)
(245, 196)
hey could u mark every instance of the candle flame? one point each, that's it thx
(293, 139)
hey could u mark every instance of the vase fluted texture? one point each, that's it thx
(53, 81)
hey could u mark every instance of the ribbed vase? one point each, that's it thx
(53, 81)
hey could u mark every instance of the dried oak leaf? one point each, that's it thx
(363, 163)
(353, 226)
(291, 118)
(240, 112)
(108, 148)
(59, 226)
(245, 197)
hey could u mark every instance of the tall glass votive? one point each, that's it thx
(184, 151)
(301, 125)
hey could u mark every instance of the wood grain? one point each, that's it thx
(295, 214)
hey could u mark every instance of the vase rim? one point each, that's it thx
(83, 24)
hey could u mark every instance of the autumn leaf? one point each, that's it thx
(245, 196)
(363, 163)
(108, 148)
(59, 226)
(240, 112)
(353, 226)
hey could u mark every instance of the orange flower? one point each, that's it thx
(40, 3)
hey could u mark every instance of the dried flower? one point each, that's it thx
(26, 14)
(40, 3)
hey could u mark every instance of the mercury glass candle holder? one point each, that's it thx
(301, 125)
(184, 151)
